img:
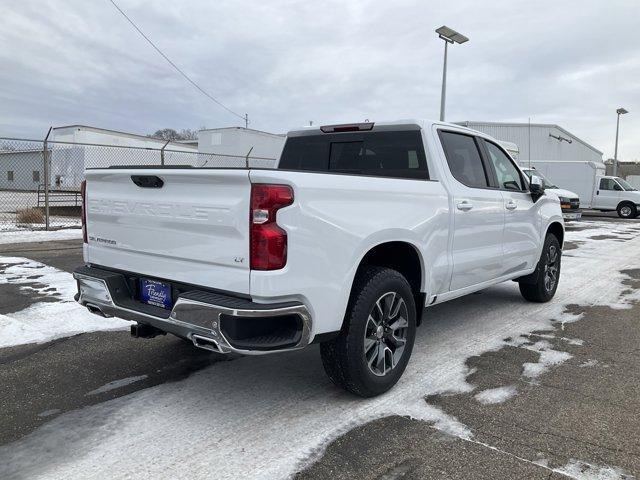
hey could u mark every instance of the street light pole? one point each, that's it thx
(449, 36)
(620, 111)
(443, 95)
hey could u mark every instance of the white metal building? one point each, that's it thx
(548, 142)
(85, 147)
(21, 169)
(240, 141)
(103, 136)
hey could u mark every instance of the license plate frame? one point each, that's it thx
(156, 293)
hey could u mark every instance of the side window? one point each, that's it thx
(609, 184)
(464, 159)
(508, 174)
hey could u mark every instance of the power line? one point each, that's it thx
(243, 117)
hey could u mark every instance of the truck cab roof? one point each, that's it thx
(394, 125)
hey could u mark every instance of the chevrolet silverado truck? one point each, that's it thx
(358, 231)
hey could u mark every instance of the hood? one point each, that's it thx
(561, 192)
(634, 195)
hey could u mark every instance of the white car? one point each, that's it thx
(569, 201)
(358, 230)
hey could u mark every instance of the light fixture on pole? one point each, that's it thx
(620, 111)
(449, 36)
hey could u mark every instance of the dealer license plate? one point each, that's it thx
(155, 293)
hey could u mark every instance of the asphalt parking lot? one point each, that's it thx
(497, 388)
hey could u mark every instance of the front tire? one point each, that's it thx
(374, 346)
(627, 210)
(541, 286)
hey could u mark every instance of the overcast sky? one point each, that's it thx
(287, 62)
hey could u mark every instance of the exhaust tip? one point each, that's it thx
(96, 310)
(206, 343)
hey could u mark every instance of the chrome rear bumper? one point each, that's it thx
(196, 315)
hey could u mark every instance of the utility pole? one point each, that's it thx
(246, 120)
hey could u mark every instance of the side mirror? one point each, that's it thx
(536, 187)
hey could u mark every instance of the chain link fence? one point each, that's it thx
(40, 180)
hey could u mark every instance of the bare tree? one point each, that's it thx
(188, 134)
(172, 135)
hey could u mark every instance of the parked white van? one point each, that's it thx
(595, 189)
(569, 201)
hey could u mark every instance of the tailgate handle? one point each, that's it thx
(147, 181)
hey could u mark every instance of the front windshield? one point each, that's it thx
(626, 185)
(546, 183)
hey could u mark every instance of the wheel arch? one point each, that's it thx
(556, 229)
(403, 257)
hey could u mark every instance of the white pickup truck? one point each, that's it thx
(359, 229)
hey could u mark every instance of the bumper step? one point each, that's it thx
(223, 323)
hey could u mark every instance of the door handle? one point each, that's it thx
(511, 205)
(464, 205)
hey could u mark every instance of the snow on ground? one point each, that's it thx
(48, 413)
(496, 395)
(21, 236)
(589, 363)
(223, 421)
(123, 382)
(587, 471)
(43, 321)
(548, 358)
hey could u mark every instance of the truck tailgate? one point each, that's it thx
(192, 229)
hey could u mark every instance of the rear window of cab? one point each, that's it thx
(382, 154)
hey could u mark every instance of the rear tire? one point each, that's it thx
(374, 346)
(542, 284)
(627, 210)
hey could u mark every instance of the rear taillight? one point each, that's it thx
(83, 193)
(268, 242)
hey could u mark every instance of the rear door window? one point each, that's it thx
(464, 159)
(382, 154)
